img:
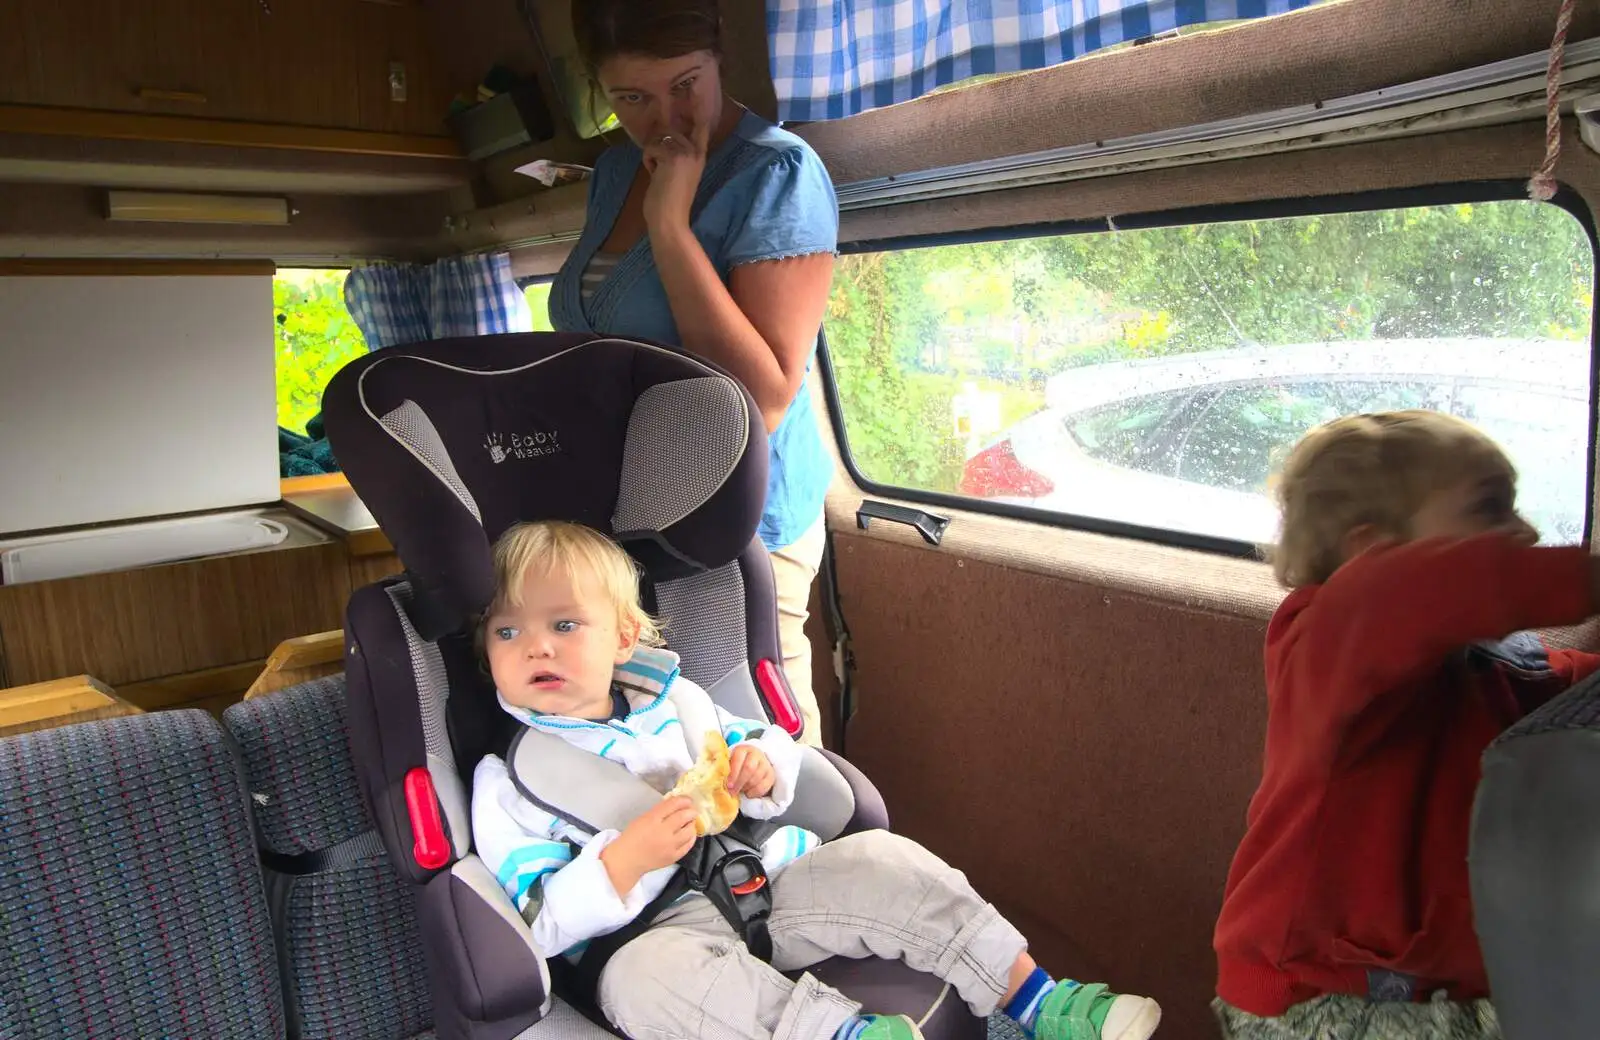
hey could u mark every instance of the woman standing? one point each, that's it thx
(714, 230)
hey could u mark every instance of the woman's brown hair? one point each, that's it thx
(655, 28)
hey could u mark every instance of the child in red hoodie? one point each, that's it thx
(1347, 912)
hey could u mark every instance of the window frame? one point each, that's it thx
(1445, 194)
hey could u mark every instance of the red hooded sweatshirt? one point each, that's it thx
(1355, 853)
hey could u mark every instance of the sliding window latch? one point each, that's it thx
(930, 525)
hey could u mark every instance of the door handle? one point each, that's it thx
(930, 525)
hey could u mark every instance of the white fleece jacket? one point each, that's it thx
(569, 898)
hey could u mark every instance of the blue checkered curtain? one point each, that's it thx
(834, 58)
(457, 296)
(410, 303)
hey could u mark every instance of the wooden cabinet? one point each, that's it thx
(312, 63)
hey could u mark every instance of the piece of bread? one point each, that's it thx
(706, 785)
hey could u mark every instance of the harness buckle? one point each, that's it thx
(731, 875)
(726, 870)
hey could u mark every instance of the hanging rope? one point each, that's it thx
(1542, 186)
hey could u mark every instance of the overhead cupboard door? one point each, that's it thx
(131, 395)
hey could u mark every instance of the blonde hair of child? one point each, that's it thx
(1376, 469)
(543, 547)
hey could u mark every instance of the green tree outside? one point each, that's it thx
(538, 297)
(906, 329)
(314, 336)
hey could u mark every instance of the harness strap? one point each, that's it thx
(363, 848)
(727, 869)
(732, 877)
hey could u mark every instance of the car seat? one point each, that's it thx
(448, 444)
(1535, 866)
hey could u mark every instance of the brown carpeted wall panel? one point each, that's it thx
(1084, 754)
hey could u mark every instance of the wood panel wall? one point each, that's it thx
(185, 634)
(314, 63)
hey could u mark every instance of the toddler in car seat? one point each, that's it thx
(570, 651)
(1348, 908)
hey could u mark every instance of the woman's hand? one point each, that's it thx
(675, 163)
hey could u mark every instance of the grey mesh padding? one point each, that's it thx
(410, 425)
(432, 690)
(297, 765)
(131, 901)
(349, 946)
(1003, 1028)
(1576, 709)
(684, 439)
(474, 873)
(703, 621)
(563, 1023)
(576, 785)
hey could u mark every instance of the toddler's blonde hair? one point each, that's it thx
(1374, 469)
(542, 547)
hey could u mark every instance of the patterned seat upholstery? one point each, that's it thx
(347, 932)
(131, 901)
(349, 945)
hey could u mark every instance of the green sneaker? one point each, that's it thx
(890, 1027)
(1072, 1011)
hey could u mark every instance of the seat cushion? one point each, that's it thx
(1535, 854)
(349, 946)
(297, 763)
(131, 900)
(562, 1023)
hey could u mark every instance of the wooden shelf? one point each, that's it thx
(45, 267)
(299, 660)
(329, 502)
(133, 126)
(59, 702)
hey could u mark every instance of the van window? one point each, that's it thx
(538, 296)
(1152, 379)
(314, 338)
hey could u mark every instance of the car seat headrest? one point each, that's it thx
(449, 443)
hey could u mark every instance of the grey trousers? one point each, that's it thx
(872, 894)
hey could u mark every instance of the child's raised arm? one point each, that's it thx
(1395, 613)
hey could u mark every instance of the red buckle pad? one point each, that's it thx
(430, 847)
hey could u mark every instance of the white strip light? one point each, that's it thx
(181, 208)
